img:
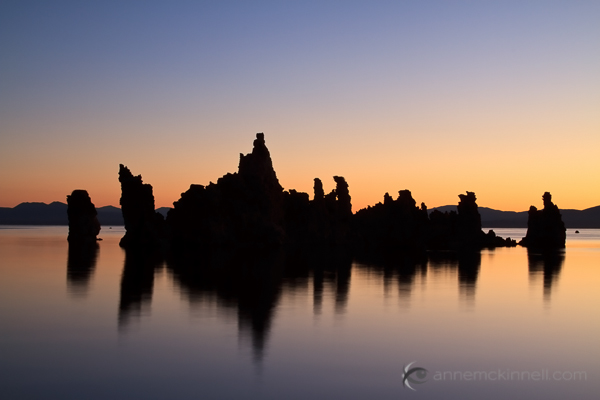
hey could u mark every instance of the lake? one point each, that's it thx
(497, 324)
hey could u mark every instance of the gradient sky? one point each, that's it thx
(439, 97)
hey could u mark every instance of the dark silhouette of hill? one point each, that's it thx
(491, 218)
(35, 214)
(588, 218)
(573, 219)
(56, 214)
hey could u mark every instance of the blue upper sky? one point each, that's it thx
(328, 82)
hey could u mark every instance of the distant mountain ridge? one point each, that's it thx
(55, 213)
(490, 218)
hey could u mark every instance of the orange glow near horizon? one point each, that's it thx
(496, 98)
(436, 180)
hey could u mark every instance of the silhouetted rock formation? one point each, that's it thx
(461, 230)
(324, 221)
(442, 229)
(392, 225)
(144, 227)
(250, 209)
(83, 221)
(399, 225)
(243, 208)
(545, 228)
(469, 222)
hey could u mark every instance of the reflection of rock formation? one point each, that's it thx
(318, 288)
(330, 272)
(342, 287)
(467, 265)
(137, 283)
(248, 283)
(547, 265)
(400, 269)
(144, 227)
(545, 228)
(83, 220)
(81, 263)
(252, 283)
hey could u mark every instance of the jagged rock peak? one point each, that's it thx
(343, 194)
(142, 224)
(318, 190)
(547, 198)
(125, 175)
(387, 199)
(133, 188)
(405, 199)
(259, 145)
(467, 200)
(258, 164)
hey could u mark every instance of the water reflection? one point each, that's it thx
(247, 283)
(81, 263)
(398, 269)
(251, 284)
(547, 265)
(467, 264)
(137, 283)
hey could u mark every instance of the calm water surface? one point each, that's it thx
(105, 325)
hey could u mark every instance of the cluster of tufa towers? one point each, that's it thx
(250, 210)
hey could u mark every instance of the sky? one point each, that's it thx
(501, 98)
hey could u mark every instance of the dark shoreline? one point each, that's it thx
(56, 214)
